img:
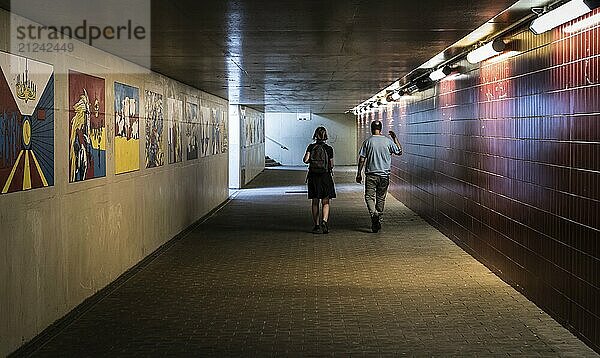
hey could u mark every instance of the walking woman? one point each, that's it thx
(319, 157)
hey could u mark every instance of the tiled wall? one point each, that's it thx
(505, 160)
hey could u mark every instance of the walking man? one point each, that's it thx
(376, 158)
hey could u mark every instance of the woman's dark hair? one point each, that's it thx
(376, 126)
(320, 134)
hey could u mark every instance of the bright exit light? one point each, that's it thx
(486, 51)
(564, 13)
(583, 24)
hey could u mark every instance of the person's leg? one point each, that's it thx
(370, 187)
(325, 209)
(371, 182)
(315, 211)
(324, 226)
(381, 192)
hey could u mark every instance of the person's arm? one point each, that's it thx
(306, 157)
(396, 142)
(361, 166)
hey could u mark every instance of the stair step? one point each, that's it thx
(271, 162)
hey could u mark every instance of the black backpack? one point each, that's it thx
(319, 159)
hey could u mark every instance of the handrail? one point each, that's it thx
(276, 142)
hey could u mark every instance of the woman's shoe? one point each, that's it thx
(324, 227)
(316, 229)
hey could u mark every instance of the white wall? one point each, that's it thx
(61, 244)
(234, 147)
(296, 135)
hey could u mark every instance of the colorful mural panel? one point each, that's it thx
(87, 127)
(191, 130)
(155, 155)
(174, 114)
(26, 124)
(127, 128)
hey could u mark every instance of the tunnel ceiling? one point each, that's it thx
(306, 55)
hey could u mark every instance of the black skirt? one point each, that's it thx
(320, 186)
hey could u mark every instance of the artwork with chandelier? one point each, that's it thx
(26, 124)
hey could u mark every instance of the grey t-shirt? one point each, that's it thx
(378, 152)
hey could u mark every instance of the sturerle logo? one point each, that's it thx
(121, 28)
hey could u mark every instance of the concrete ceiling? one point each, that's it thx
(307, 55)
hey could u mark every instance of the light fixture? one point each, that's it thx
(440, 73)
(396, 95)
(411, 89)
(564, 13)
(486, 51)
(424, 83)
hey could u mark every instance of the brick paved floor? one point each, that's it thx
(253, 281)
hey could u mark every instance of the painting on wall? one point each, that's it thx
(205, 131)
(191, 130)
(127, 128)
(87, 127)
(174, 113)
(155, 155)
(215, 132)
(254, 128)
(26, 124)
(224, 125)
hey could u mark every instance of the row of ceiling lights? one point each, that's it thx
(547, 20)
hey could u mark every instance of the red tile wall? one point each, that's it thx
(505, 160)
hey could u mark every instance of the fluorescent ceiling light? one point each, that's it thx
(486, 51)
(440, 73)
(564, 13)
(582, 24)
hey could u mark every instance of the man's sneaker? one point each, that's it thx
(375, 224)
(324, 227)
(316, 229)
